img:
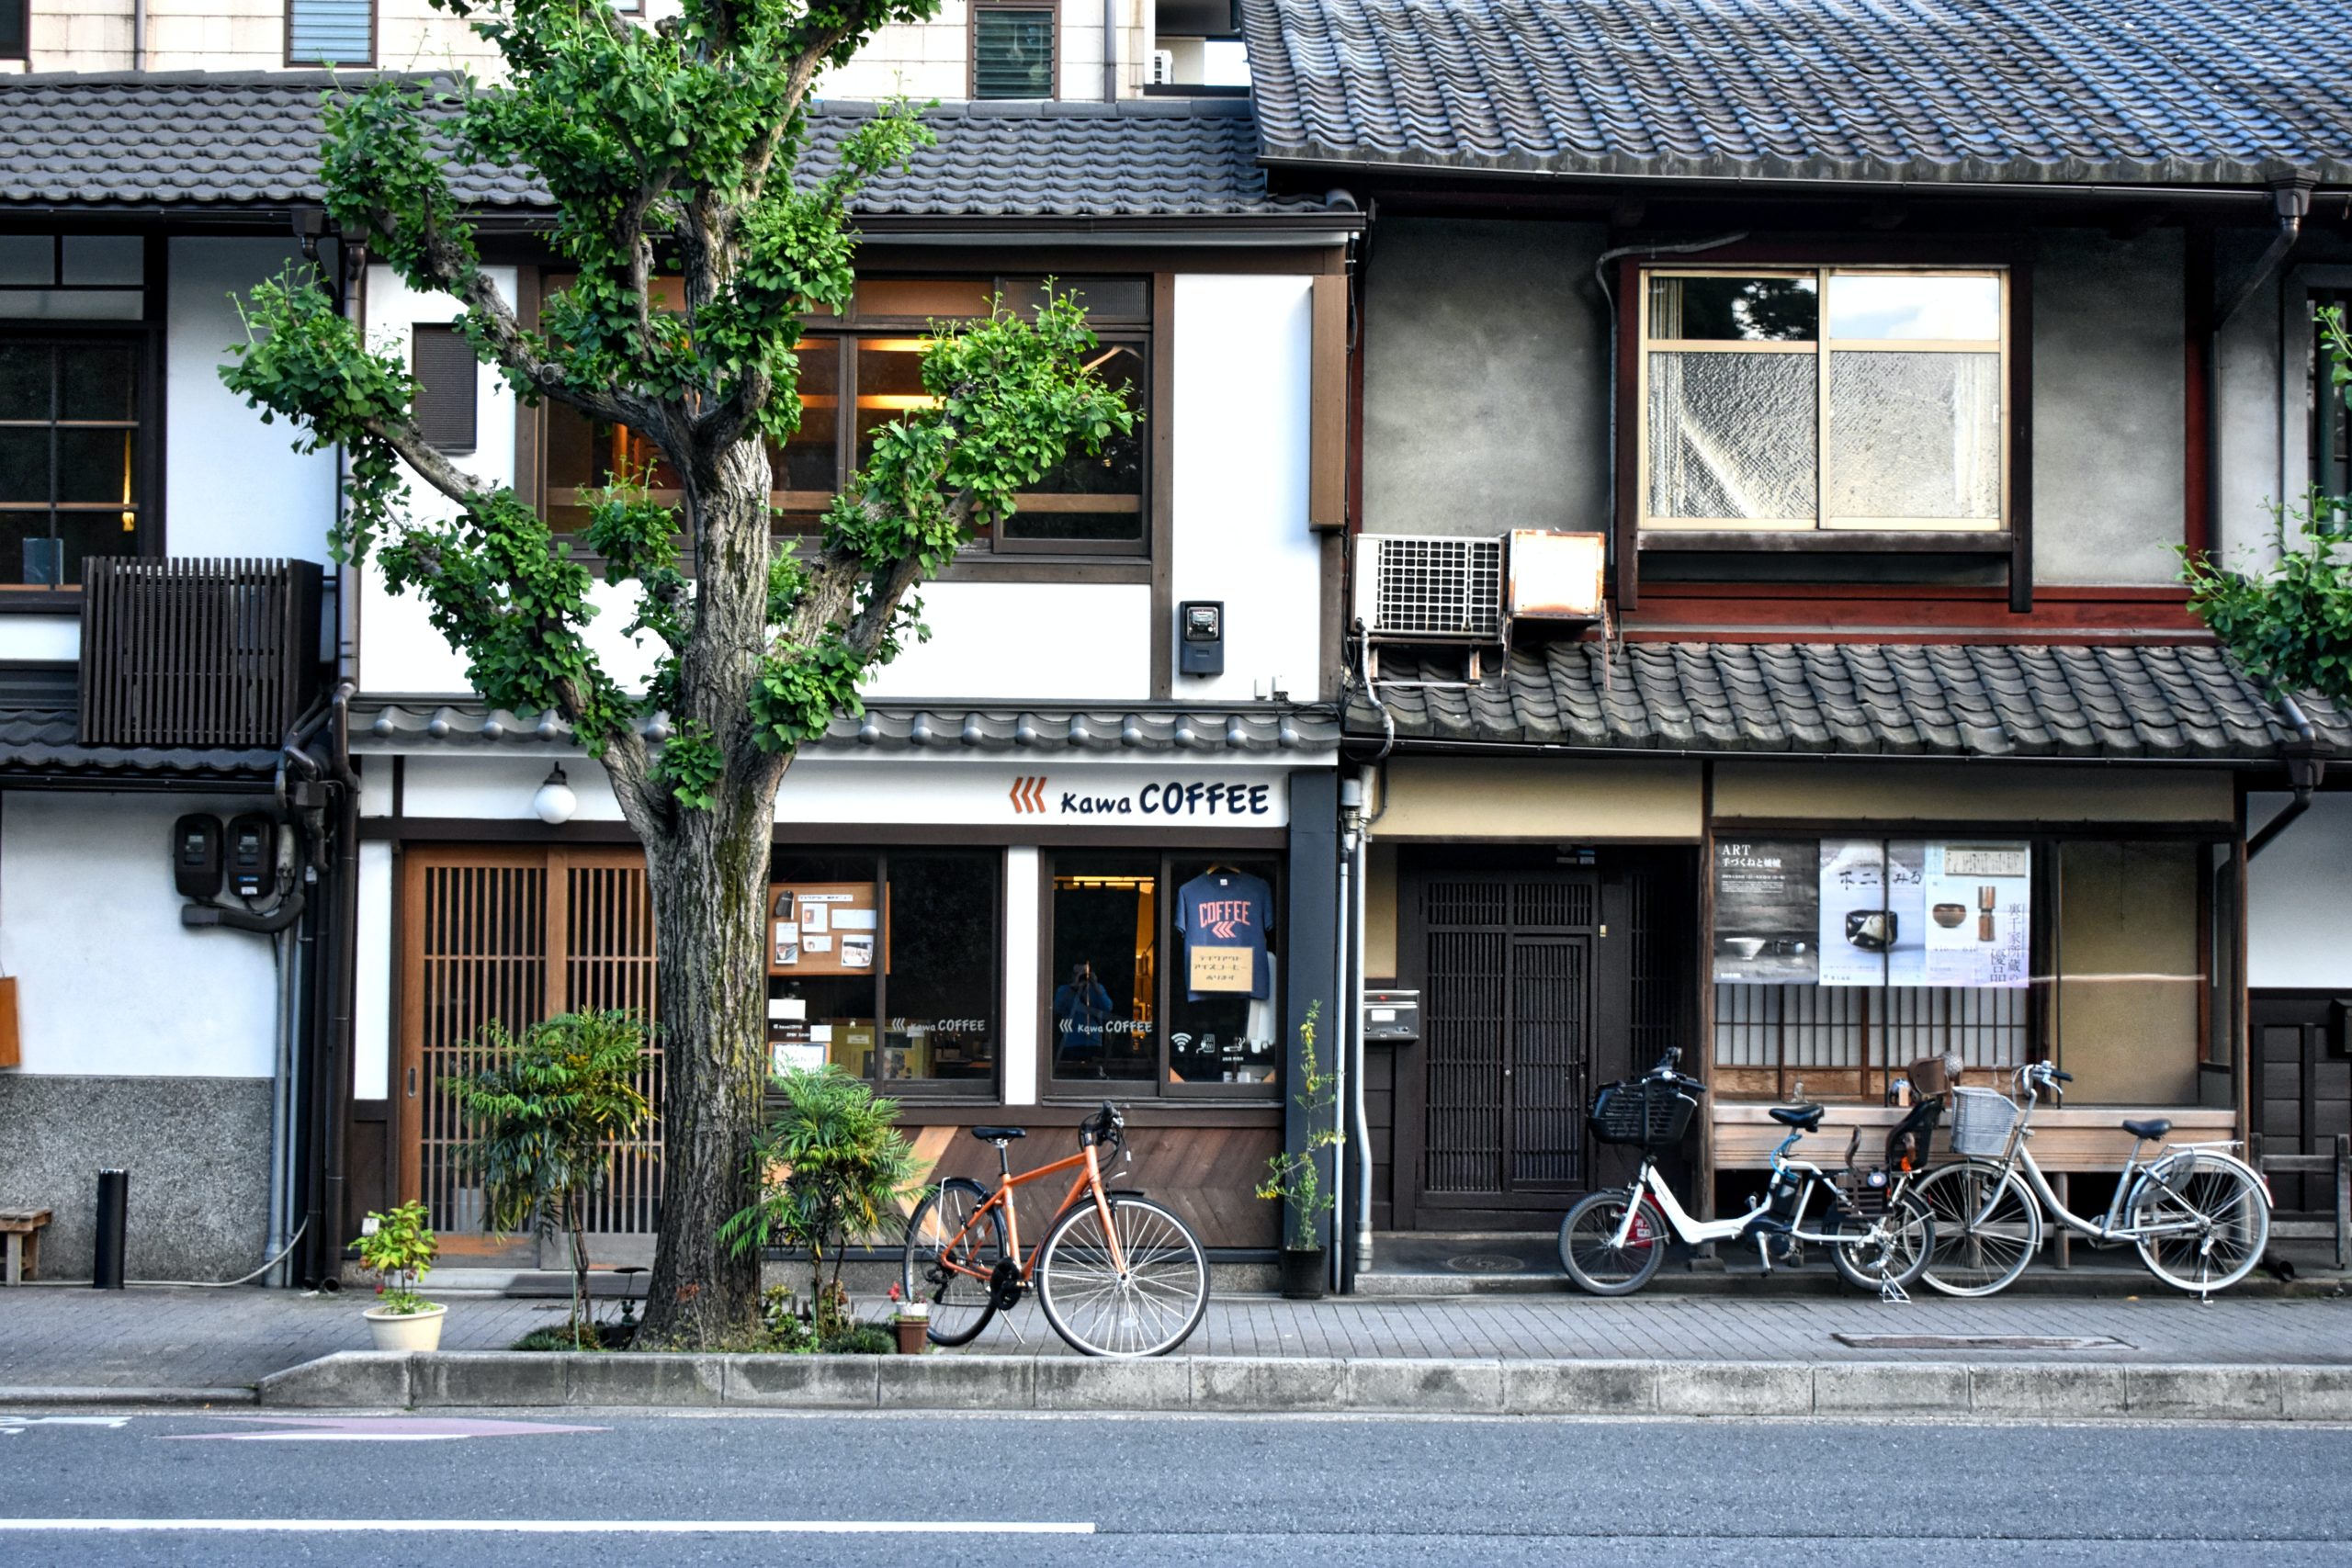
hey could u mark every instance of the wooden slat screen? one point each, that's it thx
(513, 936)
(1462, 1027)
(1550, 1056)
(196, 653)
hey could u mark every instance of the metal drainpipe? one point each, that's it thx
(1366, 779)
(1110, 52)
(2292, 200)
(139, 35)
(2306, 766)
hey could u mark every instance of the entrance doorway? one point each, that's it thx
(2302, 1094)
(1507, 1032)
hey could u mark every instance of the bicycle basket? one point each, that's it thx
(1981, 1121)
(1642, 1111)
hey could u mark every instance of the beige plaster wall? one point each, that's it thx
(1970, 791)
(1540, 797)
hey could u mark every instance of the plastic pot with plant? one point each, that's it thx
(398, 1249)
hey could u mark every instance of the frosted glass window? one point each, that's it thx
(1908, 308)
(1732, 435)
(1915, 436)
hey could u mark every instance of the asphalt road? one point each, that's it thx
(571, 1488)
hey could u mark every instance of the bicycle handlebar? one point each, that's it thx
(1665, 1072)
(1105, 1126)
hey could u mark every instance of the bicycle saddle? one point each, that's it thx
(1803, 1118)
(998, 1134)
(2152, 1131)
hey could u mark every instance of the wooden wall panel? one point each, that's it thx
(1205, 1174)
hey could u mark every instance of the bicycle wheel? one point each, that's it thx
(1148, 1310)
(2201, 1220)
(949, 1258)
(1988, 1228)
(1893, 1246)
(1588, 1249)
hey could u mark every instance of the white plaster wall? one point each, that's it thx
(496, 787)
(49, 640)
(2295, 892)
(2247, 424)
(109, 982)
(1022, 965)
(1241, 423)
(1011, 641)
(371, 1066)
(233, 485)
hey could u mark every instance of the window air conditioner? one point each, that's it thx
(1163, 67)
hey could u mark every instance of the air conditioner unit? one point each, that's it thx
(1163, 67)
(1414, 588)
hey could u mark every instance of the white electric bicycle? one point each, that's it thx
(1879, 1235)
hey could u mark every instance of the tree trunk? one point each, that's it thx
(709, 873)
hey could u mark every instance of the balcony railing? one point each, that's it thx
(196, 653)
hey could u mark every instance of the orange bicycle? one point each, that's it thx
(1117, 1274)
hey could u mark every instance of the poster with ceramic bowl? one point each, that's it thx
(1979, 895)
(1768, 911)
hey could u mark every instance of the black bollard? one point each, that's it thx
(114, 1203)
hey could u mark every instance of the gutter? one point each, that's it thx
(1409, 744)
(2306, 767)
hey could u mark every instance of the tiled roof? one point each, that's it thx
(2142, 702)
(1107, 728)
(252, 139)
(40, 740)
(2168, 91)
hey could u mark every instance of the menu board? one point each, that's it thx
(822, 928)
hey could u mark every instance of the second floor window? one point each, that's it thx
(15, 29)
(330, 32)
(861, 371)
(1824, 397)
(1012, 51)
(70, 458)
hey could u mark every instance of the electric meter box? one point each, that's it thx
(1392, 1017)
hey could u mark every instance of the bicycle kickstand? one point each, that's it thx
(1890, 1289)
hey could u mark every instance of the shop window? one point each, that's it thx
(1824, 397)
(862, 371)
(1012, 51)
(72, 456)
(886, 966)
(1165, 974)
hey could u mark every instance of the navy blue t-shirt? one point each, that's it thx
(1230, 909)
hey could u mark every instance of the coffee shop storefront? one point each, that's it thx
(1136, 907)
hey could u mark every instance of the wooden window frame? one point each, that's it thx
(1052, 1089)
(375, 43)
(972, 49)
(144, 339)
(1150, 336)
(929, 1091)
(2008, 256)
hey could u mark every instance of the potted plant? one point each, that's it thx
(911, 1319)
(1295, 1179)
(399, 1250)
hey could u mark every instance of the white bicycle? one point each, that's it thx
(2199, 1215)
(1614, 1241)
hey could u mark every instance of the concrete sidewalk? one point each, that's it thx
(66, 1337)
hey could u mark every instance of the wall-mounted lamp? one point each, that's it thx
(555, 803)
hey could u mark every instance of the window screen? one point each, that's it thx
(1013, 53)
(447, 383)
(329, 33)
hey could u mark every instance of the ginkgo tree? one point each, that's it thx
(670, 158)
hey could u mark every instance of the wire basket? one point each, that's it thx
(1981, 1121)
(1641, 1111)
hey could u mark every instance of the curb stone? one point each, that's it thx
(488, 1380)
(111, 1395)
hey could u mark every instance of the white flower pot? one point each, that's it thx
(406, 1330)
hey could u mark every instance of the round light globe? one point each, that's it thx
(555, 803)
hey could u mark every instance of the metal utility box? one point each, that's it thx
(1392, 1017)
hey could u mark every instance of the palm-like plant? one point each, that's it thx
(834, 1173)
(545, 1107)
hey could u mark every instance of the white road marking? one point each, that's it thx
(553, 1526)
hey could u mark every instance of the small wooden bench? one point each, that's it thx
(2336, 1165)
(22, 1228)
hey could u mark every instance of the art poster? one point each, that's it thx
(1979, 898)
(1768, 911)
(1873, 912)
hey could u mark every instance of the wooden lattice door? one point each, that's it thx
(1507, 1037)
(513, 935)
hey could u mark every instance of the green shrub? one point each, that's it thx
(399, 1250)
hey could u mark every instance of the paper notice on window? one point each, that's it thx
(814, 943)
(787, 1007)
(1224, 969)
(854, 921)
(857, 952)
(1979, 901)
(815, 918)
(796, 1058)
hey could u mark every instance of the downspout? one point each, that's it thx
(2291, 201)
(139, 35)
(1341, 1047)
(341, 958)
(1110, 52)
(1358, 834)
(2306, 766)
